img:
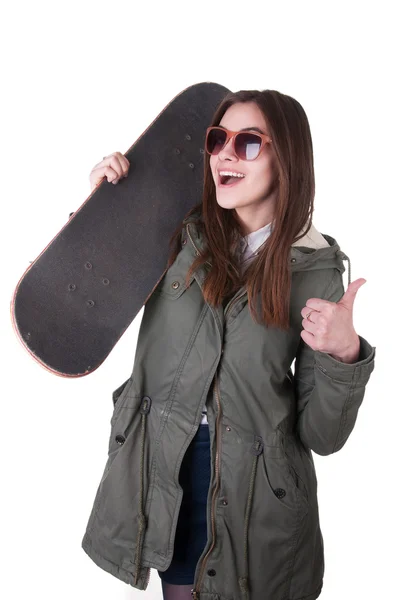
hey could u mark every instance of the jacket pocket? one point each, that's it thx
(117, 393)
(298, 483)
(121, 397)
(298, 472)
(123, 438)
(172, 284)
(123, 421)
(172, 288)
(282, 484)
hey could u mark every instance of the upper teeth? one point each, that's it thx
(231, 174)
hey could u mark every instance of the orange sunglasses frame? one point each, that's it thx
(232, 134)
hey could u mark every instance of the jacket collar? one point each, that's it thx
(311, 251)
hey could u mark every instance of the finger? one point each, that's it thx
(318, 303)
(111, 175)
(114, 162)
(105, 170)
(124, 163)
(308, 326)
(351, 292)
(99, 173)
(308, 338)
(307, 310)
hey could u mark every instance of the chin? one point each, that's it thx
(227, 202)
(231, 201)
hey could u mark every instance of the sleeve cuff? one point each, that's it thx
(359, 371)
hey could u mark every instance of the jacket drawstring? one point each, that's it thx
(142, 523)
(256, 449)
(345, 257)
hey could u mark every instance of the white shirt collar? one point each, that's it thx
(252, 241)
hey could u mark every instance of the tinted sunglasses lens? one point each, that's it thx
(215, 140)
(247, 145)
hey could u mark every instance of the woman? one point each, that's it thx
(210, 477)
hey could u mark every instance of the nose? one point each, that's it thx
(228, 152)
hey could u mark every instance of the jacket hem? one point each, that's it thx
(216, 596)
(311, 596)
(114, 569)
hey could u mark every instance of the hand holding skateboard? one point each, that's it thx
(114, 167)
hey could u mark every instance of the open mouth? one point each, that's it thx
(228, 180)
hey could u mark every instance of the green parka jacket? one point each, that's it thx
(264, 538)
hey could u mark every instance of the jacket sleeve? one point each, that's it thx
(329, 392)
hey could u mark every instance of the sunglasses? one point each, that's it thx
(246, 145)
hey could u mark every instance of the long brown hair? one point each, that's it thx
(270, 272)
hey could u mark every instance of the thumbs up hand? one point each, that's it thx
(328, 326)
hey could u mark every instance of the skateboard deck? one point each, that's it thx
(77, 298)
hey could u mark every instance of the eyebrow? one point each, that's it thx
(248, 129)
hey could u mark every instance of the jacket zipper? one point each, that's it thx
(232, 302)
(195, 591)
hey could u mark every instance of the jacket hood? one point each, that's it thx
(311, 251)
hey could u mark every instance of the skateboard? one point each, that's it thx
(77, 298)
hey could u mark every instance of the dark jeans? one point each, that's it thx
(191, 533)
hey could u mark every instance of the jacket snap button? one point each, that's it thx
(224, 502)
(175, 285)
(211, 572)
(228, 428)
(120, 439)
(279, 492)
(293, 260)
(184, 242)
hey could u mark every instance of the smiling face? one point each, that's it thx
(253, 197)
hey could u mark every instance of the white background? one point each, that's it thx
(85, 79)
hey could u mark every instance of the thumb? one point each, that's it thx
(348, 299)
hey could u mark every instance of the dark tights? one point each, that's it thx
(176, 592)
